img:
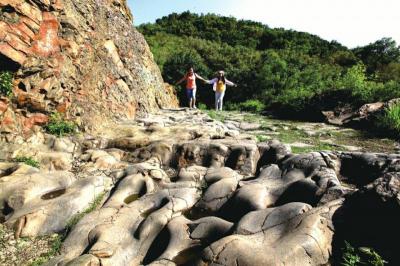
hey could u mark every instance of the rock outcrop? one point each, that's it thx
(81, 58)
(363, 117)
(183, 189)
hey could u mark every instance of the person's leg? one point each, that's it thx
(221, 100)
(189, 94)
(194, 98)
(216, 100)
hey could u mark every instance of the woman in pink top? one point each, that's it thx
(191, 87)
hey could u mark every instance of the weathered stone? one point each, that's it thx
(79, 64)
(191, 195)
(308, 242)
(365, 116)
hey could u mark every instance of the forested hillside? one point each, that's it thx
(285, 71)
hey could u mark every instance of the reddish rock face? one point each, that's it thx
(3, 106)
(80, 58)
(46, 41)
(35, 119)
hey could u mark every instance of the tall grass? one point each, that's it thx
(390, 120)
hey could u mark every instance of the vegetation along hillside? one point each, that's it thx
(294, 74)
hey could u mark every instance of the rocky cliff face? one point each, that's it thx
(81, 58)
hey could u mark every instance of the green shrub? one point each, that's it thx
(390, 120)
(371, 257)
(57, 125)
(350, 256)
(202, 106)
(387, 91)
(232, 106)
(27, 160)
(6, 83)
(360, 256)
(254, 106)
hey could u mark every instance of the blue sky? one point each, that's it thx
(351, 22)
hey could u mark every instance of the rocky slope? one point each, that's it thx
(81, 58)
(183, 189)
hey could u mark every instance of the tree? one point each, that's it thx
(378, 54)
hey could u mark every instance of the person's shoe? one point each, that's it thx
(195, 107)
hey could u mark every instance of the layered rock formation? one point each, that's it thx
(183, 189)
(364, 117)
(81, 58)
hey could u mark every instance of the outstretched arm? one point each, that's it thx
(181, 80)
(210, 81)
(230, 83)
(200, 77)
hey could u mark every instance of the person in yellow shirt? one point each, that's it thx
(219, 86)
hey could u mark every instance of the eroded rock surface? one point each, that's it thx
(183, 189)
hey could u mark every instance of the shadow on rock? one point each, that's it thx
(369, 218)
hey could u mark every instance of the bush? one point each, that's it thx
(202, 106)
(59, 126)
(6, 83)
(390, 120)
(360, 256)
(350, 256)
(254, 106)
(27, 160)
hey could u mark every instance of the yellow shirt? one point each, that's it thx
(220, 86)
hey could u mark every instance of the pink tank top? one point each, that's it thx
(191, 82)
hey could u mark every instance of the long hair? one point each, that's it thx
(187, 72)
(221, 78)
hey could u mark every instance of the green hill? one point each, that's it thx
(292, 73)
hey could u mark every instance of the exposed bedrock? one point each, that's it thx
(181, 189)
(81, 58)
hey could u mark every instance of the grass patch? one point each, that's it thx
(54, 251)
(59, 239)
(290, 136)
(27, 160)
(6, 79)
(390, 120)
(360, 256)
(262, 138)
(316, 147)
(57, 125)
(202, 106)
(251, 118)
(74, 220)
(216, 115)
